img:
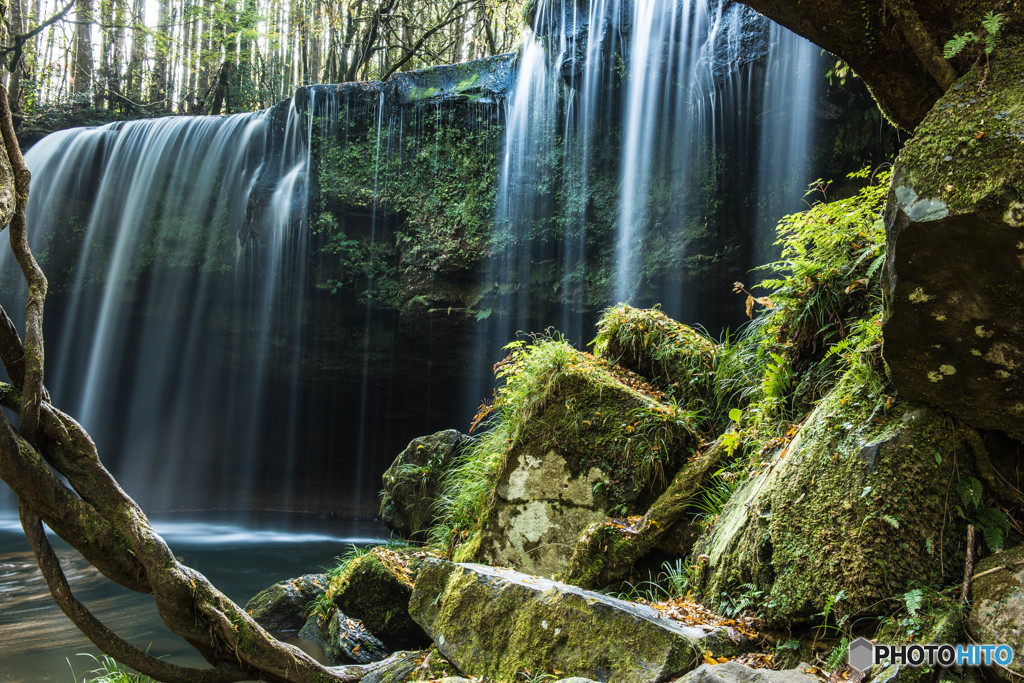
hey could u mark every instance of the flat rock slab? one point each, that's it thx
(497, 623)
(734, 672)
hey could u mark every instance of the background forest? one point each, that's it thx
(147, 57)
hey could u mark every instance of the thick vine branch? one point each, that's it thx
(32, 383)
(923, 46)
(101, 636)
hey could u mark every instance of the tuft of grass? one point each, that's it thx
(323, 606)
(108, 670)
(469, 486)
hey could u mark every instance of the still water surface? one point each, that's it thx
(38, 643)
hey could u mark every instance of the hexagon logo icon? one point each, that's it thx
(861, 655)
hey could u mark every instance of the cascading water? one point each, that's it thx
(658, 108)
(193, 324)
(176, 251)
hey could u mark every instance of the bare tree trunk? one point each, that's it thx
(81, 78)
(134, 82)
(14, 93)
(161, 48)
(117, 55)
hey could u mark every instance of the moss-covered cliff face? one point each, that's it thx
(405, 178)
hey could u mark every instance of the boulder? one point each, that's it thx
(412, 483)
(592, 441)
(378, 596)
(853, 511)
(344, 640)
(496, 623)
(283, 606)
(998, 601)
(954, 276)
(672, 356)
(734, 672)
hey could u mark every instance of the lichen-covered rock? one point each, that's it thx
(674, 357)
(497, 623)
(412, 483)
(734, 672)
(368, 591)
(998, 606)
(854, 509)
(344, 640)
(954, 326)
(282, 607)
(606, 551)
(589, 440)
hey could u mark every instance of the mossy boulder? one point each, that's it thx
(344, 640)
(283, 606)
(606, 551)
(412, 483)
(855, 509)
(588, 440)
(998, 601)
(672, 356)
(378, 596)
(954, 316)
(498, 623)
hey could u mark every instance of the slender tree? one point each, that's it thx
(81, 79)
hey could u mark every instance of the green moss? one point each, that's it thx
(676, 358)
(366, 590)
(970, 147)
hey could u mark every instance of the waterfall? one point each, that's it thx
(176, 252)
(229, 316)
(685, 130)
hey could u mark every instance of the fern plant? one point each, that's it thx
(990, 521)
(992, 26)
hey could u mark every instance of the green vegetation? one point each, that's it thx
(109, 670)
(406, 202)
(821, 318)
(991, 25)
(676, 358)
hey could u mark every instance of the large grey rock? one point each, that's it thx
(282, 607)
(344, 640)
(998, 607)
(954, 277)
(412, 483)
(496, 622)
(595, 440)
(734, 672)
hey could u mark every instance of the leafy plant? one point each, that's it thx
(109, 670)
(731, 607)
(992, 26)
(990, 521)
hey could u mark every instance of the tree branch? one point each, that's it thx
(101, 636)
(32, 383)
